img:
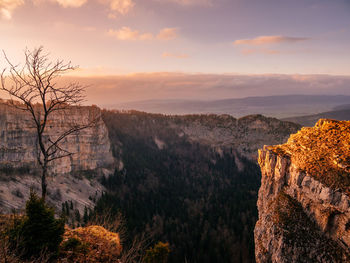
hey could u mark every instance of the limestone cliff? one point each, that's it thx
(304, 201)
(74, 176)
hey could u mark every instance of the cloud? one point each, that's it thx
(189, 2)
(262, 40)
(150, 86)
(118, 7)
(172, 55)
(167, 33)
(126, 33)
(265, 51)
(8, 6)
(70, 3)
(121, 6)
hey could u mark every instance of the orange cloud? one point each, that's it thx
(121, 6)
(126, 33)
(262, 40)
(8, 6)
(172, 55)
(70, 3)
(167, 33)
(190, 2)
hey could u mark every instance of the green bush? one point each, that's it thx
(38, 232)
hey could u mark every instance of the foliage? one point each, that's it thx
(38, 231)
(71, 243)
(91, 244)
(158, 254)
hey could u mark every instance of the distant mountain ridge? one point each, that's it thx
(272, 106)
(310, 120)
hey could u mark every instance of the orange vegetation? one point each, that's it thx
(90, 244)
(322, 151)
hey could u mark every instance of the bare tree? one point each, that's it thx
(33, 88)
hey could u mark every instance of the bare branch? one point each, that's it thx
(32, 88)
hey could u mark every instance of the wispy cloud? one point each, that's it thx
(70, 3)
(174, 55)
(167, 33)
(189, 2)
(263, 40)
(265, 51)
(126, 33)
(120, 6)
(8, 6)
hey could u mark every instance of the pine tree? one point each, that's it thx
(38, 231)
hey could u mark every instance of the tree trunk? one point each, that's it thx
(43, 182)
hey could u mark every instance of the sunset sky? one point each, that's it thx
(118, 37)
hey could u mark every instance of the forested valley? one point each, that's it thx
(199, 199)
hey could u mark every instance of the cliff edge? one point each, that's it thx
(304, 198)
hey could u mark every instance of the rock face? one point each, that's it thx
(304, 202)
(74, 176)
(18, 143)
(246, 135)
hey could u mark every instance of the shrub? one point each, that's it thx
(158, 254)
(38, 232)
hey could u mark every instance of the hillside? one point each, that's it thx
(304, 197)
(310, 120)
(190, 180)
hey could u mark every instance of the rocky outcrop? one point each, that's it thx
(246, 135)
(71, 178)
(304, 202)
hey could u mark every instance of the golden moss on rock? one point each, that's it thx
(90, 244)
(322, 151)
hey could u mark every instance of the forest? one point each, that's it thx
(195, 197)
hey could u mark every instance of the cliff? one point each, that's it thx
(246, 135)
(304, 203)
(72, 178)
(221, 132)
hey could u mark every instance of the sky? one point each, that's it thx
(131, 38)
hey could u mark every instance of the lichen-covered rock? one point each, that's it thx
(304, 217)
